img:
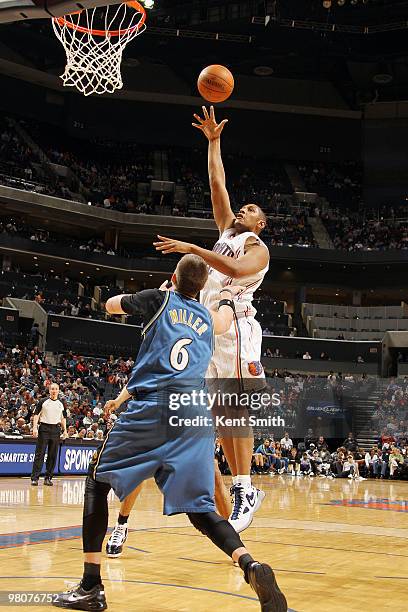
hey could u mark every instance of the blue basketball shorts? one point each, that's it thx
(149, 441)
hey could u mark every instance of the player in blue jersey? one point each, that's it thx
(154, 436)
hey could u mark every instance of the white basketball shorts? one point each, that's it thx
(237, 354)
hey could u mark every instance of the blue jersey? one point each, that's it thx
(177, 345)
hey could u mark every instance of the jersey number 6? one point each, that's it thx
(179, 356)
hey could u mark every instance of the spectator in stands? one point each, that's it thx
(396, 460)
(338, 459)
(87, 420)
(321, 444)
(332, 378)
(360, 359)
(379, 465)
(34, 334)
(359, 457)
(305, 465)
(286, 444)
(349, 468)
(282, 460)
(306, 355)
(350, 443)
(294, 462)
(309, 438)
(369, 459)
(267, 449)
(98, 410)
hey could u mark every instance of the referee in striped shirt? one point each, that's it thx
(50, 413)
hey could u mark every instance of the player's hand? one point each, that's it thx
(110, 406)
(169, 245)
(232, 291)
(35, 433)
(165, 286)
(208, 124)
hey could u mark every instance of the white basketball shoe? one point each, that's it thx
(246, 501)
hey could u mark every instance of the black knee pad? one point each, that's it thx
(217, 529)
(95, 515)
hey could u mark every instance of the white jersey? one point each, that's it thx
(51, 411)
(232, 244)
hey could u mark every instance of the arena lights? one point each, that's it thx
(327, 4)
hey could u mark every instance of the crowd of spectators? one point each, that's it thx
(20, 167)
(110, 173)
(292, 230)
(25, 376)
(340, 183)
(390, 416)
(276, 353)
(16, 226)
(313, 458)
(350, 231)
(56, 293)
(86, 383)
(117, 176)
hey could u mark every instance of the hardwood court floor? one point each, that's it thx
(335, 546)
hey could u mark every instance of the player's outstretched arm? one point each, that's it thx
(255, 259)
(114, 305)
(223, 215)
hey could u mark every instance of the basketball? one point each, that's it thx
(215, 83)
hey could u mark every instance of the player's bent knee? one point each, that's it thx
(217, 529)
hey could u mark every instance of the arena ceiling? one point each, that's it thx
(258, 41)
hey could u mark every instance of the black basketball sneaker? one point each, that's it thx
(79, 599)
(262, 579)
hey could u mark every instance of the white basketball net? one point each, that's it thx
(94, 60)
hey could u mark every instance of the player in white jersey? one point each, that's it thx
(239, 257)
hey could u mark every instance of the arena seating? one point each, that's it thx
(350, 231)
(272, 315)
(354, 322)
(340, 184)
(86, 383)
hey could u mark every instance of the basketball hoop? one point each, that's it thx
(94, 40)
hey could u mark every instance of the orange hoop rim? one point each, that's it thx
(132, 3)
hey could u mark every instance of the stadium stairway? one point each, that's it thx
(180, 197)
(161, 165)
(320, 233)
(41, 162)
(76, 187)
(364, 407)
(294, 177)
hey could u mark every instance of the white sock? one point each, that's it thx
(234, 480)
(244, 480)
